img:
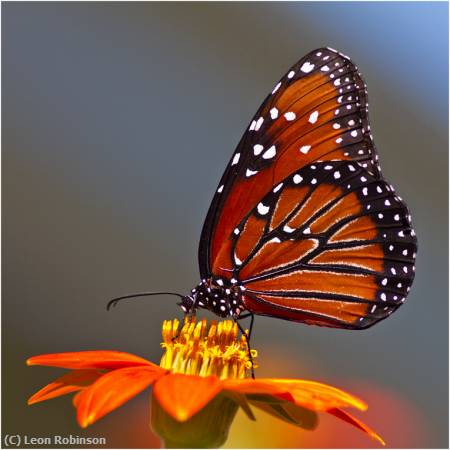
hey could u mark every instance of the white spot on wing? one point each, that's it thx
(297, 178)
(235, 159)
(307, 67)
(288, 229)
(305, 149)
(275, 89)
(259, 123)
(289, 116)
(313, 117)
(291, 74)
(250, 173)
(270, 153)
(220, 189)
(274, 113)
(263, 209)
(277, 188)
(257, 149)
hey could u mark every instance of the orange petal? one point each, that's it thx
(309, 394)
(70, 382)
(184, 395)
(112, 390)
(356, 423)
(76, 399)
(94, 359)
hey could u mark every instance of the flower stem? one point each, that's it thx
(207, 429)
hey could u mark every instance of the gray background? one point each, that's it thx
(118, 120)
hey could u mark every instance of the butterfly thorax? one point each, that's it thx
(217, 295)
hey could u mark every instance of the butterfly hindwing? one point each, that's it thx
(331, 245)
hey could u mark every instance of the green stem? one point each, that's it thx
(207, 429)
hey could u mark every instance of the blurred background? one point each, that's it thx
(118, 120)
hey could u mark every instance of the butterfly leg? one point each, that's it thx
(244, 316)
(247, 337)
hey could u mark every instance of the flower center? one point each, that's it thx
(199, 349)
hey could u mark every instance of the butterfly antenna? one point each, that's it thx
(116, 300)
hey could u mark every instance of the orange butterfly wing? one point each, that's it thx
(316, 112)
(333, 246)
(302, 217)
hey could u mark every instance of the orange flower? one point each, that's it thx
(202, 366)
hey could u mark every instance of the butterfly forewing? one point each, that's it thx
(316, 112)
(333, 245)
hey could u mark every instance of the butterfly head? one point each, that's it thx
(186, 304)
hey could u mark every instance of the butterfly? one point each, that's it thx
(303, 226)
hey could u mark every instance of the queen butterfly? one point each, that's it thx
(303, 225)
